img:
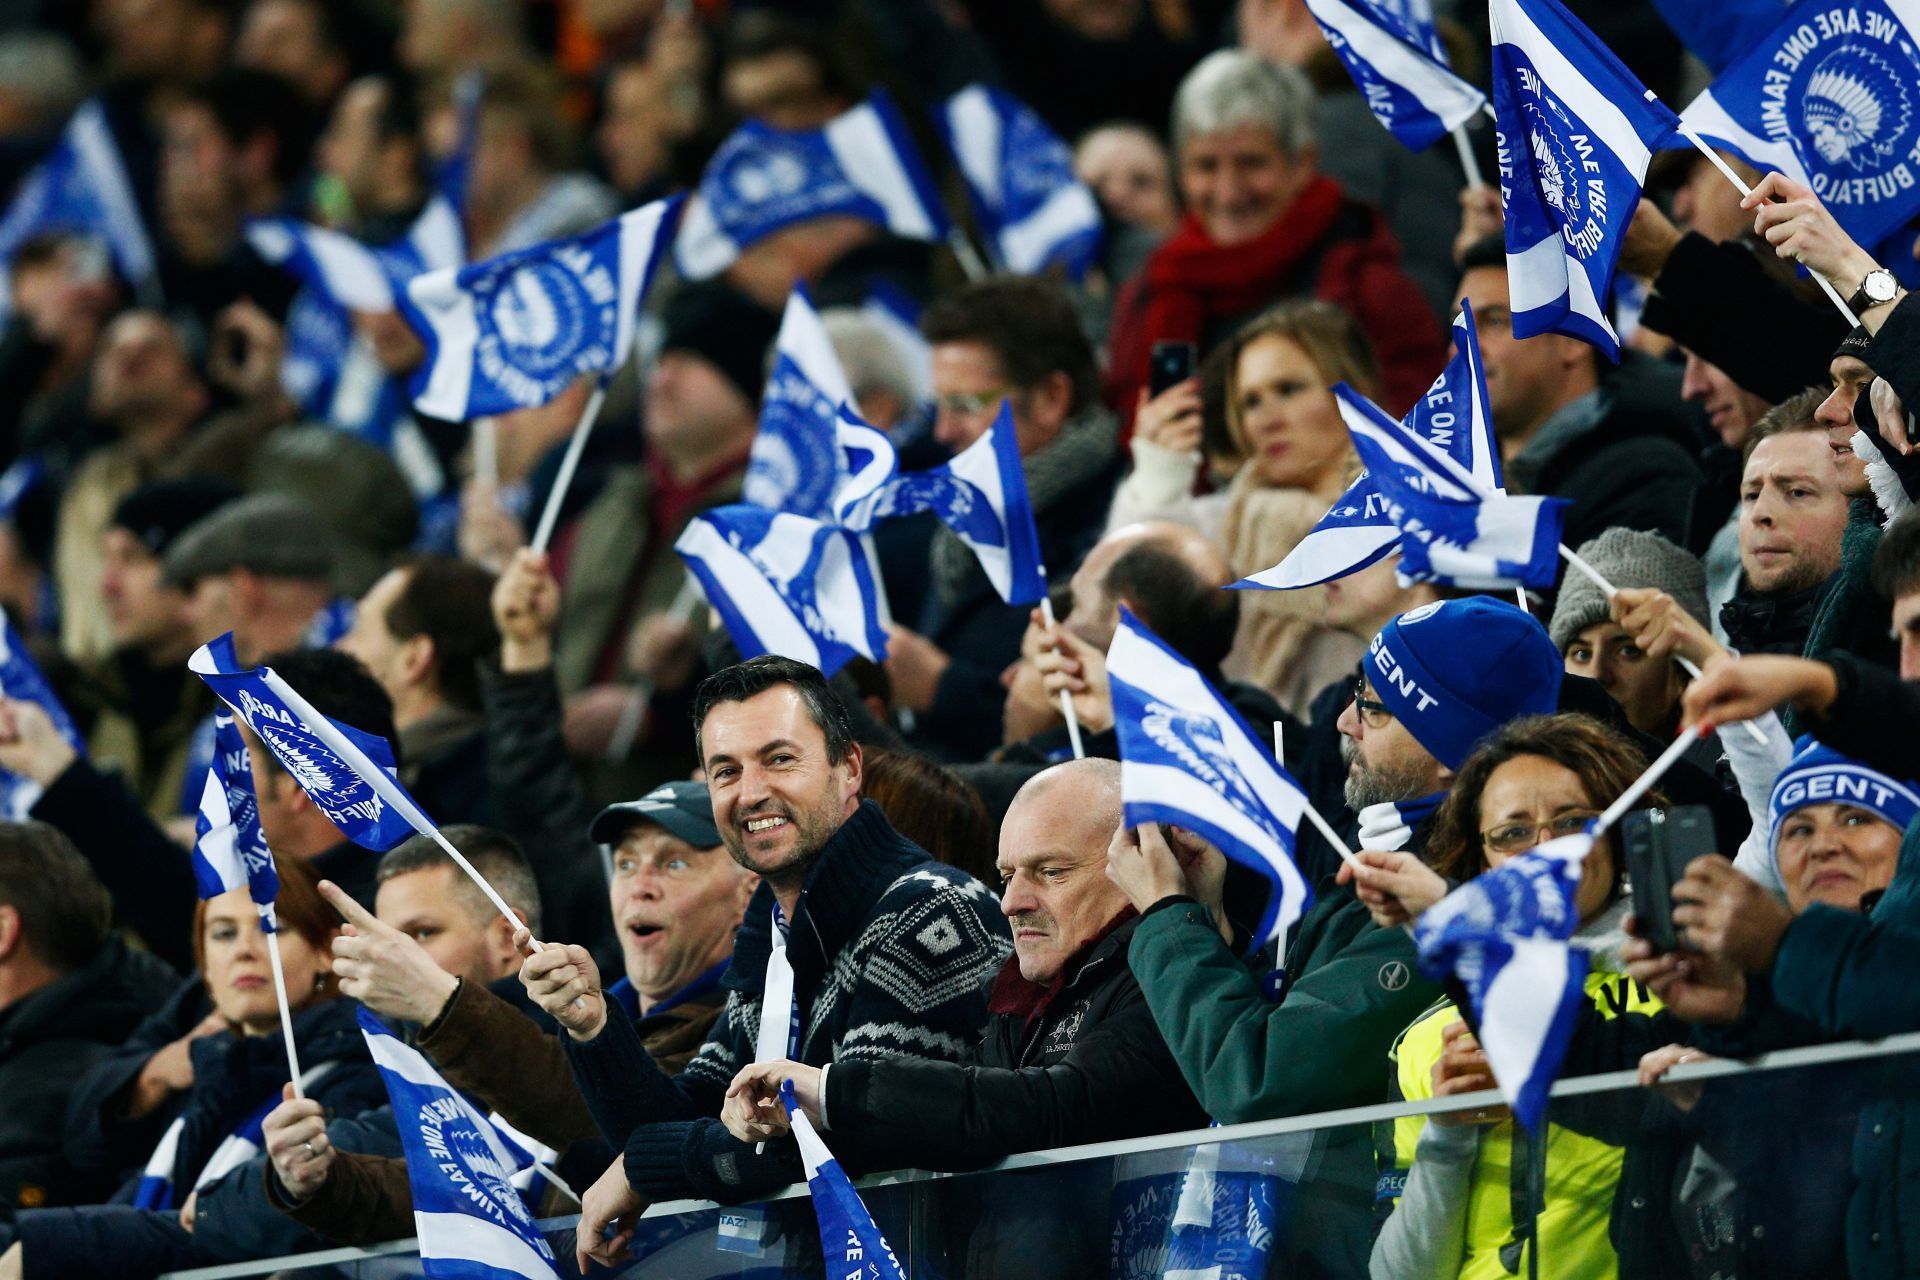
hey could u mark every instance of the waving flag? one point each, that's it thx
(349, 774)
(1358, 529)
(21, 680)
(851, 1243)
(788, 585)
(228, 850)
(898, 316)
(1829, 96)
(1451, 533)
(1187, 758)
(1575, 131)
(1504, 935)
(1019, 175)
(861, 163)
(517, 330)
(1400, 71)
(471, 1221)
(82, 187)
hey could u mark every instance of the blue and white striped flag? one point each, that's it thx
(788, 585)
(1504, 935)
(1358, 530)
(1400, 71)
(898, 316)
(155, 1190)
(1831, 98)
(1451, 533)
(350, 775)
(1575, 133)
(82, 187)
(1019, 175)
(1187, 758)
(861, 163)
(22, 681)
(471, 1221)
(849, 1238)
(515, 331)
(228, 850)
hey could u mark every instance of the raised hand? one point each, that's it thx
(1395, 887)
(295, 1134)
(383, 968)
(563, 979)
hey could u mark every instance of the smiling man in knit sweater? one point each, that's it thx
(862, 945)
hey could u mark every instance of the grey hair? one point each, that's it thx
(45, 70)
(494, 854)
(1232, 87)
(872, 361)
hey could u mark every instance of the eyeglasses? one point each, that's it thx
(1373, 714)
(971, 404)
(1517, 837)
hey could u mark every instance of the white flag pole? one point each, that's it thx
(569, 463)
(1469, 163)
(1279, 744)
(1066, 699)
(486, 451)
(1644, 783)
(1325, 828)
(270, 926)
(972, 265)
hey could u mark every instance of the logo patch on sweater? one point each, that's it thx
(1062, 1035)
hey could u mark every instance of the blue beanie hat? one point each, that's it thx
(1454, 671)
(1818, 774)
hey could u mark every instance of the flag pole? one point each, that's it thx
(1469, 163)
(972, 265)
(1726, 171)
(270, 927)
(1279, 744)
(569, 463)
(486, 451)
(1325, 828)
(1066, 699)
(1644, 783)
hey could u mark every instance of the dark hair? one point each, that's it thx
(1896, 564)
(244, 102)
(762, 33)
(1195, 617)
(1790, 417)
(448, 601)
(340, 689)
(65, 911)
(934, 807)
(1488, 251)
(494, 854)
(755, 676)
(1028, 323)
(531, 94)
(399, 117)
(1606, 760)
(298, 906)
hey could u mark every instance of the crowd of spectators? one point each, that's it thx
(983, 957)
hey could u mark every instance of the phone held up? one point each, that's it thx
(1172, 363)
(1661, 844)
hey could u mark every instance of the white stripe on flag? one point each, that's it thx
(803, 339)
(448, 310)
(1539, 275)
(1518, 1006)
(1593, 109)
(392, 1054)
(100, 159)
(974, 127)
(1143, 783)
(866, 153)
(1446, 95)
(1307, 564)
(753, 597)
(639, 231)
(1068, 211)
(702, 249)
(462, 1237)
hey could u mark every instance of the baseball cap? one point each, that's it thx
(683, 808)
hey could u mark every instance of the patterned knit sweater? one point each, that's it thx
(891, 953)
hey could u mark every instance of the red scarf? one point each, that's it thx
(1015, 996)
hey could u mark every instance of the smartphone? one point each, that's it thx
(1172, 364)
(1661, 844)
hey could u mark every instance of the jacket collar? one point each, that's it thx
(1015, 997)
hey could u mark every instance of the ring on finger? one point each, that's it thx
(308, 1144)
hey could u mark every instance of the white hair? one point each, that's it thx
(872, 361)
(1232, 87)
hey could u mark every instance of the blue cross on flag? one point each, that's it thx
(22, 681)
(82, 187)
(349, 774)
(515, 331)
(228, 850)
(1504, 935)
(1358, 529)
(1187, 758)
(1451, 533)
(471, 1221)
(1575, 132)
(1831, 98)
(1401, 72)
(1019, 176)
(851, 1242)
(861, 163)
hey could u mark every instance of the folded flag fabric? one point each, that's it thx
(1399, 69)
(350, 775)
(853, 1245)
(1829, 95)
(785, 584)
(22, 681)
(1187, 758)
(228, 850)
(472, 1222)
(517, 330)
(1575, 136)
(1504, 935)
(82, 187)
(156, 1188)
(1358, 529)
(1019, 175)
(862, 163)
(1450, 533)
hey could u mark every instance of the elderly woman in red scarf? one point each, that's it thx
(1263, 225)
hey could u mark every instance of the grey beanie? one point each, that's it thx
(1626, 558)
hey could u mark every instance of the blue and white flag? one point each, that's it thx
(349, 774)
(1575, 132)
(1416, 16)
(788, 585)
(1399, 70)
(155, 1189)
(898, 316)
(1504, 935)
(82, 187)
(1358, 529)
(228, 850)
(861, 163)
(1187, 758)
(22, 681)
(1451, 533)
(515, 331)
(1019, 175)
(981, 495)
(1830, 96)
(852, 1244)
(1719, 31)
(471, 1221)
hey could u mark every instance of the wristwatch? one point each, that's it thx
(1879, 286)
